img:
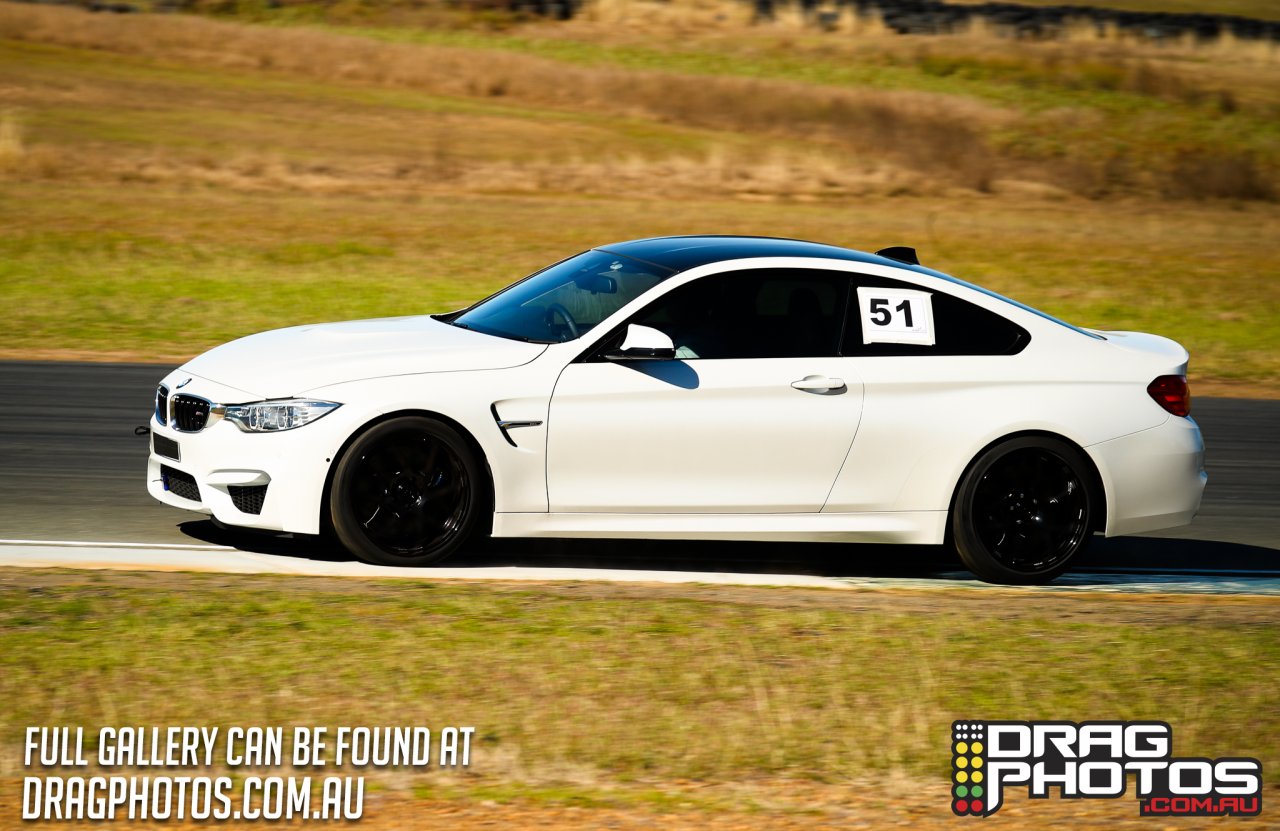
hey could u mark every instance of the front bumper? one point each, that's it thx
(227, 473)
(1153, 478)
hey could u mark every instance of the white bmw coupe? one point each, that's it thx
(729, 388)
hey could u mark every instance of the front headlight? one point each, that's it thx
(274, 416)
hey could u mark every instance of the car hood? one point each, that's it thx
(287, 362)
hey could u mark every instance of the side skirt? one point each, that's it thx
(911, 527)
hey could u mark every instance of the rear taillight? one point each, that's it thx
(1172, 393)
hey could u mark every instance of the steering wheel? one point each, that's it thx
(559, 309)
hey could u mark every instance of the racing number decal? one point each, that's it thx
(881, 315)
(896, 316)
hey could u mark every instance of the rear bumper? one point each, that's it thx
(1153, 478)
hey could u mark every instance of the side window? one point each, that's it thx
(958, 326)
(761, 313)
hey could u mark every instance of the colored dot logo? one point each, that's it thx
(967, 761)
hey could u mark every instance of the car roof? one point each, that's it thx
(678, 254)
(683, 253)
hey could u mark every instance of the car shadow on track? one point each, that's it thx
(665, 555)
(1140, 556)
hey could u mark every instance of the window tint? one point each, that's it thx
(753, 314)
(960, 328)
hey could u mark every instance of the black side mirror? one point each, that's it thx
(643, 343)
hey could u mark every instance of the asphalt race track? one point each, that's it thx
(71, 469)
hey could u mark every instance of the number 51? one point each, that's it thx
(881, 316)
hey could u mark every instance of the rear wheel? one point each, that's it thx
(406, 493)
(1023, 511)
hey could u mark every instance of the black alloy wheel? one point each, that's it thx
(406, 493)
(1023, 511)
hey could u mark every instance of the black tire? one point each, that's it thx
(407, 492)
(1023, 511)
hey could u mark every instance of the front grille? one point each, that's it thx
(180, 484)
(248, 499)
(162, 404)
(166, 447)
(189, 413)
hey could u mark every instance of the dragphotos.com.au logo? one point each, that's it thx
(1094, 760)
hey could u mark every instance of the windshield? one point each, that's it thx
(564, 301)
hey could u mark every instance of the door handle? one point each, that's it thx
(818, 383)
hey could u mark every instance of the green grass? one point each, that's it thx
(632, 686)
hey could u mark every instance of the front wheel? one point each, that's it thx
(406, 493)
(1023, 511)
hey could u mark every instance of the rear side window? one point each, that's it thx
(959, 327)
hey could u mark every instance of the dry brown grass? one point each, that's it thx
(1235, 176)
(95, 118)
(718, 16)
(1185, 70)
(845, 139)
(12, 150)
(934, 134)
(720, 172)
(1263, 9)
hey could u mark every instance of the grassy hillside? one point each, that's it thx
(170, 182)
